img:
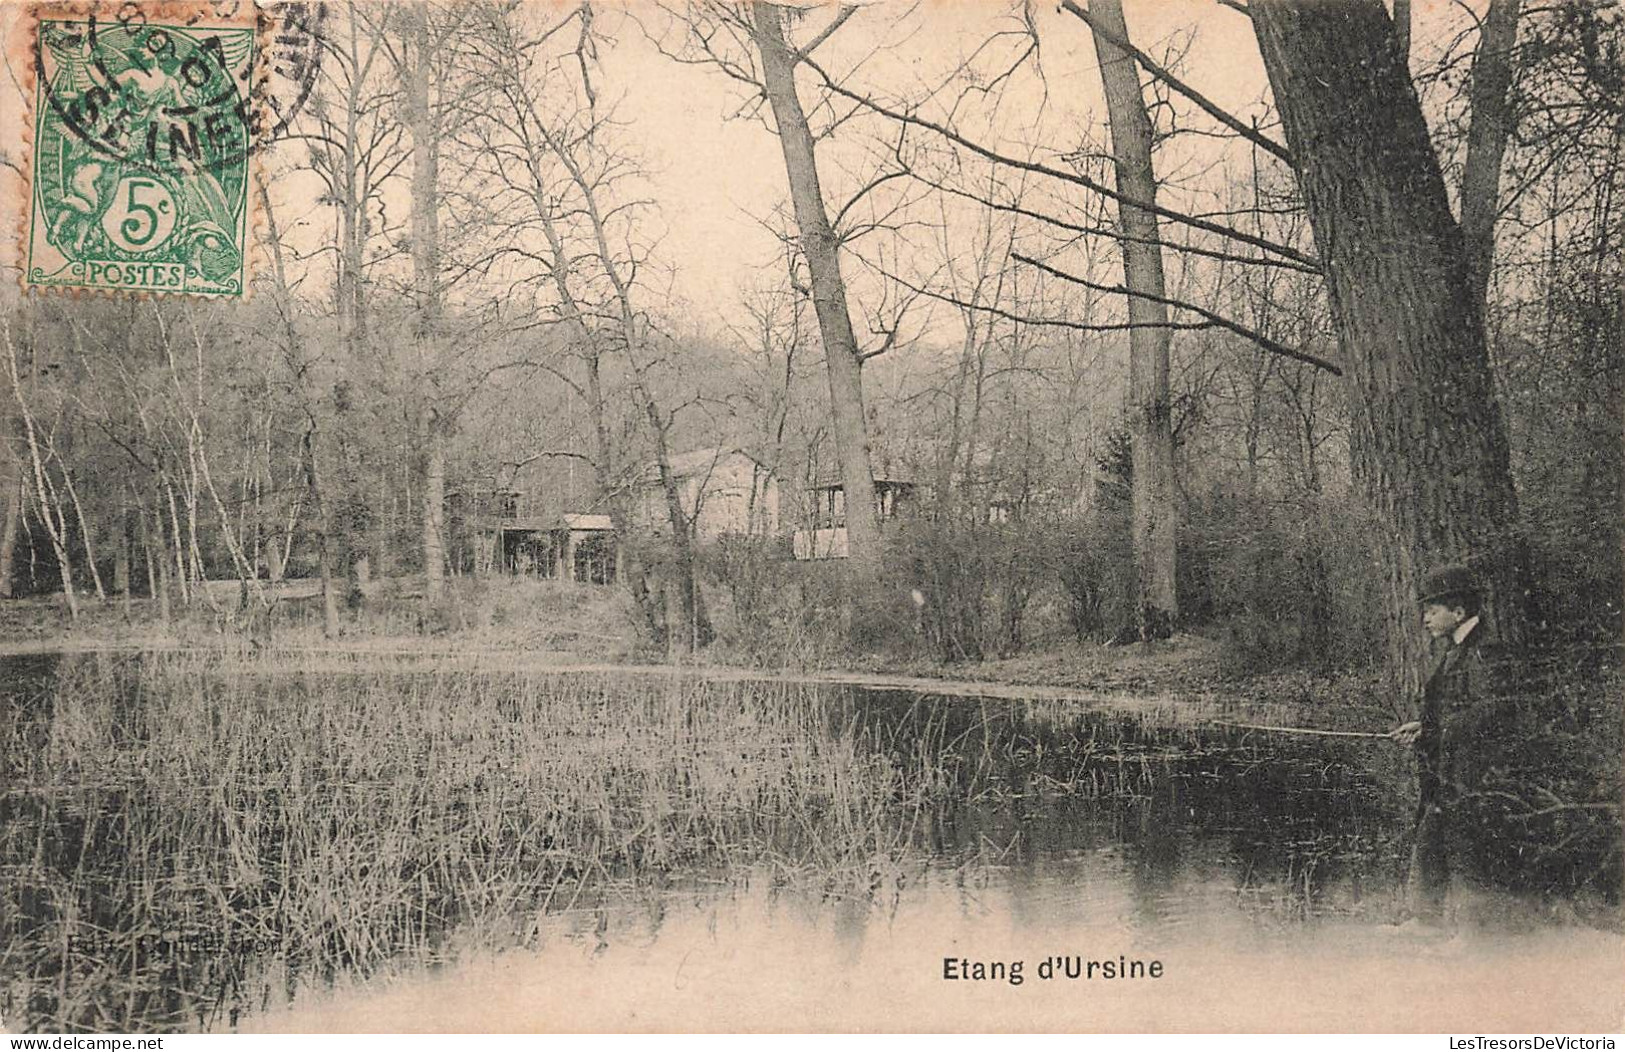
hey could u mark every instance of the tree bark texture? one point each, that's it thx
(1427, 438)
(324, 546)
(351, 517)
(349, 508)
(687, 628)
(1154, 516)
(822, 249)
(434, 498)
(1487, 141)
(1402, 29)
(8, 537)
(426, 294)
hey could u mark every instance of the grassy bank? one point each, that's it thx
(339, 824)
(493, 613)
(187, 836)
(587, 623)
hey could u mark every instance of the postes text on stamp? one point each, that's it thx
(144, 128)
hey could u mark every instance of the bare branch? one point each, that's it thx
(1207, 105)
(1217, 319)
(1102, 231)
(1024, 319)
(1064, 176)
(547, 454)
(812, 45)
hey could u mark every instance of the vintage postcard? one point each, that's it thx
(650, 515)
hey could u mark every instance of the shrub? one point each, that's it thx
(972, 582)
(1094, 566)
(1540, 812)
(778, 613)
(1285, 581)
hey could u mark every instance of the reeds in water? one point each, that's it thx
(186, 839)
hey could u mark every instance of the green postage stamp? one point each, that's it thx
(143, 132)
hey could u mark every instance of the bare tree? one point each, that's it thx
(357, 147)
(774, 341)
(1428, 439)
(1150, 413)
(1493, 68)
(418, 73)
(821, 248)
(559, 167)
(46, 492)
(299, 378)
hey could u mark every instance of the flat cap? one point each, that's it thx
(1447, 581)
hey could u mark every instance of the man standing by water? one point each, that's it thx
(1445, 732)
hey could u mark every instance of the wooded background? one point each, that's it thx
(1249, 369)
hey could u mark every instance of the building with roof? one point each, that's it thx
(490, 532)
(723, 491)
(822, 534)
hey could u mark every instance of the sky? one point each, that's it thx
(717, 175)
(714, 175)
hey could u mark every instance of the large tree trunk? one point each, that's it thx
(353, 233)
(325, 542)
(121, 560)
(1428, 442)
(8, 538)
(348, 508)
(353, 544)
(15, 496)
(822, 249)
(613, 493)
(687, 627)
(1402, 29)
(1487, 141)
(426, 292)
(1151, 422)
(434, 499)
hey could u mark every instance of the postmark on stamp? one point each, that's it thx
(146, 121)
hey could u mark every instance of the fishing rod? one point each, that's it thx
(1314, 731)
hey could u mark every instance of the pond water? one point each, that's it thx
(195, 843)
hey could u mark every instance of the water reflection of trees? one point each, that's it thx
(1285, 820)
